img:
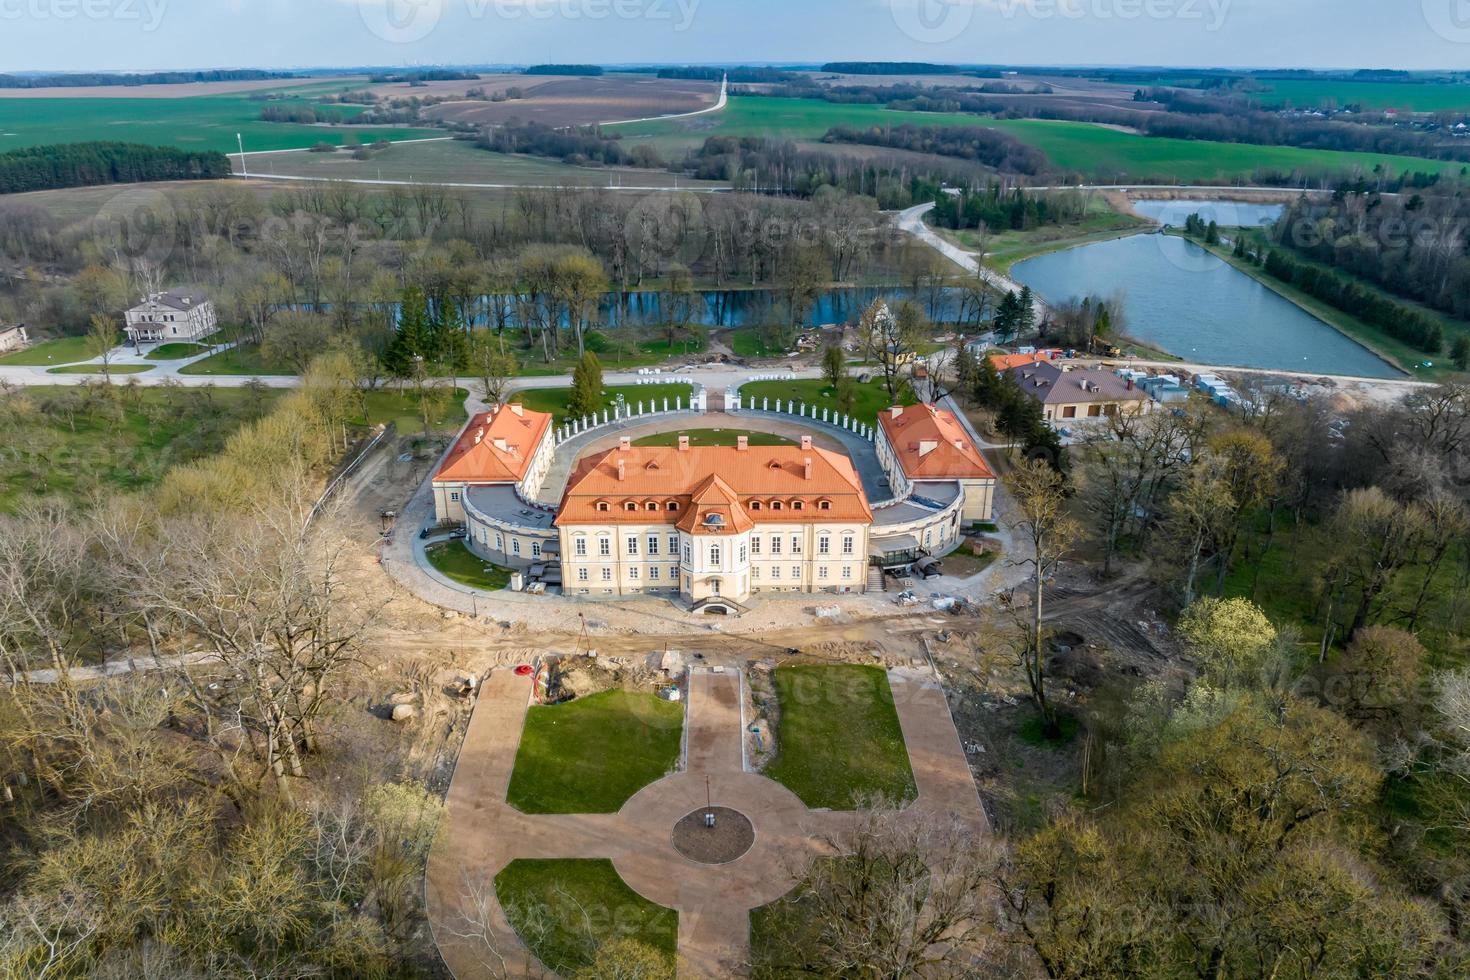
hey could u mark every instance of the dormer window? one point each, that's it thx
(755, 505)
(824, 505)
(775, 505)
(673, 505)
(714, 520)
(604, 506)
(651, 505)
(630, 505)
(796, 505)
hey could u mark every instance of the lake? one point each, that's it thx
(1227, 214)
(1182, 299)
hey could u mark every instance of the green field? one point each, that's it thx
(870, 399)
(1105, 155)
(1408, 97)
(63, 350)
(97, 369)
(838, 738)
(459, 162)
(554, 400)
(75, 442)
(201, 122)
(401, 407)
(565, 909)
(592, 754)
(1111, 156)
(244, 360)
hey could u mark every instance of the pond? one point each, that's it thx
(1227, 214)
(1178, 297)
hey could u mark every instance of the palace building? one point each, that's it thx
(714, 522)
(714, 525)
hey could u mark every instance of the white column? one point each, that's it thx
(765, 404)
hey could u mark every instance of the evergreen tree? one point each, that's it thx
(1025, 312)
(586, 395)
(414, 339)
(1461, 352)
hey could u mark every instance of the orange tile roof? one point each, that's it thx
(740, 485)
(497, 447)
(931, 444)
(1004, 362)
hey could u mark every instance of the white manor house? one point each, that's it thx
(712, 525)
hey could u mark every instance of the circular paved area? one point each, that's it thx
(714, 835)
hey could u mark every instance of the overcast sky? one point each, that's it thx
(157, 34)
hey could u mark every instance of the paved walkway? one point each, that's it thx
(482, 833)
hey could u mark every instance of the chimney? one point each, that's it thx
(622, 474)
(625, 443)
(479, 434)
(500, 445)
(927, 446)
(742, 443)
(517, 409)
(959, 444)
(807, 468)
(895, 411)
(806, 443)
(683, 444)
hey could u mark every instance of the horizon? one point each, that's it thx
(1231, 35)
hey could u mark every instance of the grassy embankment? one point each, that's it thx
(554, 400)
(869, 400)
(1404, 356)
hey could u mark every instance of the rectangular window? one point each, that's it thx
(454, 496)
(688, 553)
(499, 542)
(847, 543)
(653, 546)
(582, 575)
(579, 547)
(633, 573)
(633, 547)
(824, 545)
(796, 544)
(604, 547)
(755, 546)
(775, 571)
(673, 544)
(515, 546)
(775, 544)
(821, 571)
(653, 572)
(755, 573)
(796, 572)
(535, 549)
(847, 571)
(607, 574)
(743, 557)
(715, 555)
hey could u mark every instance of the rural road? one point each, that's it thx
(912, 222)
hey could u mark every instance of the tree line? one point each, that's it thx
(999, 209)
(90, 164)
(988, 146)
(93, 79)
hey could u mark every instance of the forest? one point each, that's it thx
(90, 164)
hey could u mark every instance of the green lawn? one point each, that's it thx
(175, 352)
(713, 437)
(751, 342)
(63, 350)
(197, 122)
(871, 398)
(243, 360)
(97, 369)
(1407, 97)
(838, 739)
(592, 754)
(455, 561)
(81, 442)
(554, 400)
(618, 350)
(403, 409)
(565, 909)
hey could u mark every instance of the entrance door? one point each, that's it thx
(714, 586)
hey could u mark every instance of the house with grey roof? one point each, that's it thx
(176, 316)
(1080, 394)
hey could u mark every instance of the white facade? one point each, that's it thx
(176, 316)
